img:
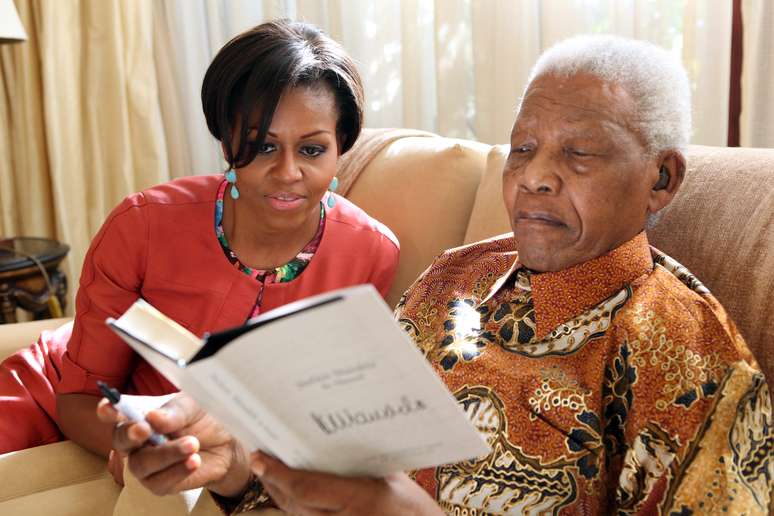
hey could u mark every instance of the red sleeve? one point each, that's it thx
(112, 276)
(385, 264)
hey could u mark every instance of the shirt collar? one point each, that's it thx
(559, 296)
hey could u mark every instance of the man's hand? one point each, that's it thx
(198, 453)
(307, 493)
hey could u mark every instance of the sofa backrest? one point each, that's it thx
(720, 226)
(423, 190)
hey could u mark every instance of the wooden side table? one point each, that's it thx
(22, 283)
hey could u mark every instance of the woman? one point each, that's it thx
(285, 101)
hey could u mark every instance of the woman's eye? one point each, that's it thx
(312, 151)
(265, 148)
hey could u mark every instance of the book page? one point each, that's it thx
(339, 388)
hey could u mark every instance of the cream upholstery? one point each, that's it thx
(437, 193)
(16, 336)
(489, 217)
(423, 189)
(59, 479)
(721, 226)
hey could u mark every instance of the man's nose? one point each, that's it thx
(539, 176)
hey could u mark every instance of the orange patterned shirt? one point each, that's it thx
(618, 385)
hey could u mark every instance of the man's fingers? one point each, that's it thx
(175, 415)
(305, 489)
(291, 506)
(277, 495)
(151, 460)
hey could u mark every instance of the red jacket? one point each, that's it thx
(160, 245)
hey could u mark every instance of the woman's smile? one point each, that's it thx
(285, 200)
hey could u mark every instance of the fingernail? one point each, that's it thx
(187, 445)
(166, 412)
(193, 462)
(137, 431)
(258, 467)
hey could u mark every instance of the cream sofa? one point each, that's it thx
(436, 193)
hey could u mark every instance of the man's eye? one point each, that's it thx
(312, 151)
(579, 153)
(520, 149)
(264, 148)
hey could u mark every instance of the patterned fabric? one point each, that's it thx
(616, 386)
(253, 497)
(281, 274)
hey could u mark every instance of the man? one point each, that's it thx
(604, 375)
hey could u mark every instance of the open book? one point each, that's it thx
(330, 383)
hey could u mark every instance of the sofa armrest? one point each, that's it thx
(16, 336)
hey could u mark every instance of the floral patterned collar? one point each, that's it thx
(559, 296)
(281, 274)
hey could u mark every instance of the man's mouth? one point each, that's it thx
(539, 217)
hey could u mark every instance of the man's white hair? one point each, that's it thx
(655, 80)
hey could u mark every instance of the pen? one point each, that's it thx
(124, 406)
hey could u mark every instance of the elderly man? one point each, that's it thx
(604, 375)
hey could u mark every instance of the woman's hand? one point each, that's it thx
(115, 466)
(307, 493)
(198, 452)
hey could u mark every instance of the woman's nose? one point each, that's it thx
(287, 168)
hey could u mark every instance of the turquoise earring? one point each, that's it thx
(231, 178)
(332, 188)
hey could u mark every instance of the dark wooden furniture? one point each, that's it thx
(22, 283)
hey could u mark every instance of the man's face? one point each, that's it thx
(578, 180)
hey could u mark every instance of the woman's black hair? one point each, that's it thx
(252, 71)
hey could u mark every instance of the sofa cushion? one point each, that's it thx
(489, 217)
(720, 226)
(41, 469)
(423, 190)
(16, 336)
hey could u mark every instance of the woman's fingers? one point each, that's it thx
(177, 414)
(116, 467)
(171, 479)
(106, 413)
(151, 460)
(129, 436)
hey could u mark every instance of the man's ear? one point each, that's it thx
(671, 172)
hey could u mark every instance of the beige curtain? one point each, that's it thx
(455, 67)
(103, 99)
(81, 123)
(756, 127)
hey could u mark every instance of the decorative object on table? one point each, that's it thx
(11, 29)
(30, 278)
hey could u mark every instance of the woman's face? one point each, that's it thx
(295, 165)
